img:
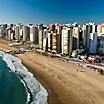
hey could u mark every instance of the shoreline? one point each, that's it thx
(12, 69)
(29, 96)
(65, 84)
(52, 98)
(23, 74)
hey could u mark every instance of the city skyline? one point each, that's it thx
(44, 11)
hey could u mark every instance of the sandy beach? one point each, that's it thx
(64, 83)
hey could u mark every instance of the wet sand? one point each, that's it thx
(65, 84)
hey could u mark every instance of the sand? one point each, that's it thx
(65, 84)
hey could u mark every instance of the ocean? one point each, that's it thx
(12, 90)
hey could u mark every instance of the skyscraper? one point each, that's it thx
(40, 39)
(67, 40)
(26, 33)
(90, 37)
(75, 38)
(17, 32)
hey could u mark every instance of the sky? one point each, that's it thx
(51, 11)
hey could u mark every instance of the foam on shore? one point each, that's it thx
(37, 94)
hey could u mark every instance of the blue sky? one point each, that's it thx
(51, 11)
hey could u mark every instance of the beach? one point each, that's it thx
(64, 83)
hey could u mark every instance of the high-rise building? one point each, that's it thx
(101, 45)
(75, 38)
(49, 41)
(32, 34)
(93, 40)
(53, 42)
(100, 29)
(17, 32)
(40, 39)
(36, 31)
(3, 30)
(52, 27)
(9, 34)
(67, 40)
(80, 38)
(4, 26)
(59, 36)
(21, 33)
(90, 37)
(45, 40)
(58, 43)
(26, 33)
(86, 35)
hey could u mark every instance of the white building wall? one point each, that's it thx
(54, 41)
(44, 39)
(9, 34)
(40, 38)
(12, 36)
(32, 34)
(65, 41)
(49, 41)
(26, 33)
(21, 32)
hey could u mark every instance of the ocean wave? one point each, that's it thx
(37, 94)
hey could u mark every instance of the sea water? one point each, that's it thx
(12, 90)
